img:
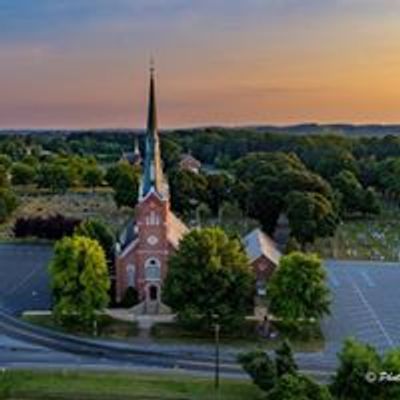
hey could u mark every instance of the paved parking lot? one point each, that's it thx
(366, 295)
(366, 303)
(23, 277)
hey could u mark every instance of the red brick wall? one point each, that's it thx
(144, 250)
(263, 268)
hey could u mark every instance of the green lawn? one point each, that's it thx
(107, 327)
(308, 340)
(114, 386)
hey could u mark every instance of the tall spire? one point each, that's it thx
(152, 111)
(153, 178)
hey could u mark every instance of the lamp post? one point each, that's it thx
(216, 332)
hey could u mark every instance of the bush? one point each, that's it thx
(52, 227)
(131, 298)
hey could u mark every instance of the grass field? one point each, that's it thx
(80, 204)
(107, 327)
(377, 238)
(115, 386)
(309, 340)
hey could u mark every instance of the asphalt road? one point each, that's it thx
(366, 300)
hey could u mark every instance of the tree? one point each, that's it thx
(219, 190)
(79, 279)
(310, 216)
(203, 214)
(391, 364)
(285, 363)
(92, 176)
(261, 369)
(264, 181)
(188, 190)
(8, 203)
(22, 174)
(54, 176)
(209, 275)
(279, 377)
(298, 387)
(171, 153)
(370, 204)
(3, 177)
(124, 179)
(355, 361)
(5, 161)
(297, 290)
(354, 198)
(98, 230)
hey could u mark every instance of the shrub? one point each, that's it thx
(131, 298)
(53, 227)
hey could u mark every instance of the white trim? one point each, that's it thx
(131, 275)
(128, 249)
(154, 264)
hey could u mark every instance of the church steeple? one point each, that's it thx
(153, 178)
(152, 111)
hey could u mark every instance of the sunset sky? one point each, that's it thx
(84, 63)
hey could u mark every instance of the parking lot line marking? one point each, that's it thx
(22, 282)
(335, 282)
(373, 314)
(368, 279)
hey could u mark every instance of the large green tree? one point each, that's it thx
(298, 289)
(92, 176)
(209, 276)
(265, 179)
(298, 387)
(124, 179)
(98, 230)
(310, 216)
(54, 176)
(391, 365)
(284, 359)
(188, 190)
(220, 188)
(22, 174)
(79, 279)
(354, 198)
(261, 368)
(363, 373)
(356, 360)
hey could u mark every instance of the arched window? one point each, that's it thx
(153, 269)
(153, 219)
(131, 275)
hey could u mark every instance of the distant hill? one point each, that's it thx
(338, 129)
(377, 130)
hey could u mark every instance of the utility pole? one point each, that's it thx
(217, 330)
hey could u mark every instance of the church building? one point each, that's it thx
(148, 241)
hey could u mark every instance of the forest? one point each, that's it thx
(317, 183)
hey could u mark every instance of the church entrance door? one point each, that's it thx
(153, 293)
